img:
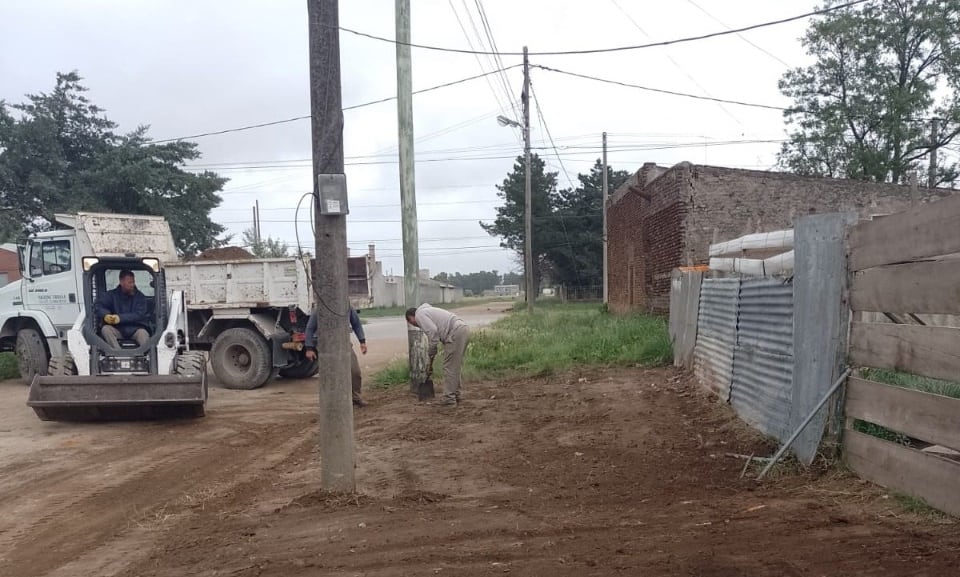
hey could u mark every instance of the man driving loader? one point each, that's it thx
(123, 311)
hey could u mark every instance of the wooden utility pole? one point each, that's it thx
(527, 191)
(934, 136)
(417, 352)
(337, 453)
(606, 277)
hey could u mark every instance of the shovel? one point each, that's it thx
(425, 390)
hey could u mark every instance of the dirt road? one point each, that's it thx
(596, 473)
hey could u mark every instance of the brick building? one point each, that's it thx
(662, 218)
(9, 264)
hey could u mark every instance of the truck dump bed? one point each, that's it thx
(248, 284)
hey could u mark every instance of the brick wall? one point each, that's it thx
(728, 203)
(664, 218)
(10, 264)
(645, 239)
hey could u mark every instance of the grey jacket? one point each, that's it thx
(439, 324)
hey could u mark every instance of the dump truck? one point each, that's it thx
(249, 316)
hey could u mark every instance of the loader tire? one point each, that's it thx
(242, 359)
(190, 364)
(62, 366)
(32, 357)
(302, 370)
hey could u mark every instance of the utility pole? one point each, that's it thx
(337, 452)
(527, 192)
(934, 136)
(606, 277)
(417, 353)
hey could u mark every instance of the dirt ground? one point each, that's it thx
(599, 472)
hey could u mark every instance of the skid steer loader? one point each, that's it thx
(94, 381)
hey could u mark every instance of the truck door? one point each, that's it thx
(52, 287)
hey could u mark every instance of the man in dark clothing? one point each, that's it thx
(356, 379)
(124, 312)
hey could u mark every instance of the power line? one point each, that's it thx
(660, 90)
(741, 36)
(677, 64)
(508, 157)
(305, 117)
(819, 12)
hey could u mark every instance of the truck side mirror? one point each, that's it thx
(22, 261)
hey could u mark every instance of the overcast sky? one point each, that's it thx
(186, 67)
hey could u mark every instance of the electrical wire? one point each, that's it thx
(819, 12)
(307, 116)
(741, 36)
(677, 64)
(660, 90)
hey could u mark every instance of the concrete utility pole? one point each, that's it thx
(527, 192)
(606, 286)
(417, 352)
(934, 136)
(337, 452)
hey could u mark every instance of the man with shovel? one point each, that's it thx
(442, 326)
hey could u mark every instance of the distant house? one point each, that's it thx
(387, 290)
(9, 264)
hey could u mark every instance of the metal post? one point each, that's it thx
(337, 452)
(803, 425)
(934, 136)
(606, 277)
(527, 191)
(417, 353)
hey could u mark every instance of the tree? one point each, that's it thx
(265, 247)
(60, 153)
(509, 224)
(883, 71)
(567, 224)
(576, 251)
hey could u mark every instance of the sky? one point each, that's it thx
(187, 67)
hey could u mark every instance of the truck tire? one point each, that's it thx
(302, 370)
(242, 359)
(32, 358)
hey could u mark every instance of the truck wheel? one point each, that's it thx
(302, 370)
(241, 359)
(32, 356)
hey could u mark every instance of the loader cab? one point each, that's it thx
(103, 274)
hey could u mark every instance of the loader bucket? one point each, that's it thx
(118, 397)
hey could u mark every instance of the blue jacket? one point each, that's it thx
(132, 310)
(355, 324)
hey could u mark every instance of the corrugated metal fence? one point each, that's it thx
(744, 349)
(760, 391)
(770, 346)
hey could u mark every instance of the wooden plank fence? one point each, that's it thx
(900, 264)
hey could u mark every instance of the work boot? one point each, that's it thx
(446, 402)
(359, 403)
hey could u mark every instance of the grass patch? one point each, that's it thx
(556, 338)
(918, 506)
(917, 383)
(8, 366)
(380, 312)
(906, 381)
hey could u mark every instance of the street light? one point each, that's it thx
(504, 121)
